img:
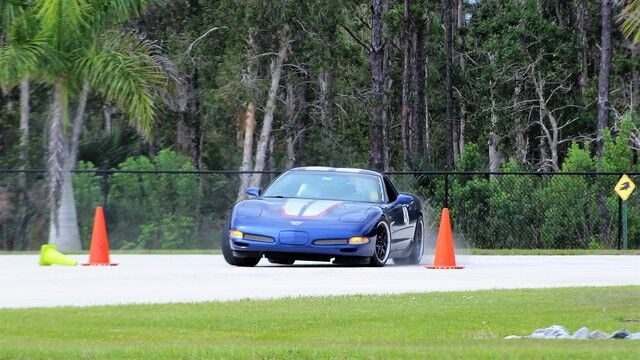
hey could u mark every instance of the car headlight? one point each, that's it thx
(358, 240)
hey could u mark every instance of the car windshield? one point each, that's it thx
(327, 186)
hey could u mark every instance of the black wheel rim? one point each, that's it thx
(382, 243)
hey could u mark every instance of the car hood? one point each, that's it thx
(306, 209)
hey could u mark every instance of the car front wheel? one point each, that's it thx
(382, 246)
(227, 252)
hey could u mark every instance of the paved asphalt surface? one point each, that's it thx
(194, 278)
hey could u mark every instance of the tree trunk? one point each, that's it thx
(520, 155)
(603, 108)
(495, 159)
(25, 109)
(302, 117)
(419, 103)
(247, 149)
(78, 121)
(265, 133)
(68, 236)
(376, 153)
(463, 65)
(581, 18)
(448, 26)
(427, 126)
(406, 79)
(291, 153)
(635, 84)
(249, 118)
(271, 163)
(290, 113)
(603, 77)
(194, 123)
(326, 103)
(559, 16)
(58, 235)
(107, 112)
(388, 120)
(326, 108)
(544, 157)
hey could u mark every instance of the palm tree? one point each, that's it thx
(78, 50)
(631, 25)
(16, 32)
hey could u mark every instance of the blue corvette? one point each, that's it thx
(352, 216)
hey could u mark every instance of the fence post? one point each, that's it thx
(619, 222)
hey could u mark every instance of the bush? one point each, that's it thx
(88, 195)
(155, 211)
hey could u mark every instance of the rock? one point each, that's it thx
(556, 332)
(597, 334)
(620, 334)
(582, 333)
(560, 332)
(511, 337)
(537, 334)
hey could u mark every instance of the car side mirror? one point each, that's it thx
(253, 191)
(404, 199)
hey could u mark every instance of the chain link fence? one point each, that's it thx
(164, 209)
(527, 210)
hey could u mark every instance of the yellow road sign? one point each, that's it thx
(625, 187)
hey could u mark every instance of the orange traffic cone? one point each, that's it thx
(99, 251)
(445, 256)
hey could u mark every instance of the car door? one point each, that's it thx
(399, 221)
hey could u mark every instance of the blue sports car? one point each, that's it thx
(350, 216)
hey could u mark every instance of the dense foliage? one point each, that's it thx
(269, 85)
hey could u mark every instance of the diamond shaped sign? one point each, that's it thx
(625, 187)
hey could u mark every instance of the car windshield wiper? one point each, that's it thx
(275, 196)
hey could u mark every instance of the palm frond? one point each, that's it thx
(118, 11)
(631, 25)
(20, 60)
(64, 21)
(121, 68)
(9, 11)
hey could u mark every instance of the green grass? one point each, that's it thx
(433, 325)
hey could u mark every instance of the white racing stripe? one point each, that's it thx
(317, 208)
(307, 208)
(293, 207)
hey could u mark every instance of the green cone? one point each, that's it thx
(50, 256)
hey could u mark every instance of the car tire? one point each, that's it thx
(282, 261)
(417, 247)
(227, 252)
(382, 246)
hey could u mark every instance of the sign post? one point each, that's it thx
(624, 188)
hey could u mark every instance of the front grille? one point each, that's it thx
(331, 242)
(259, 238)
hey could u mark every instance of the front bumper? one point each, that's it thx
(240, 245)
